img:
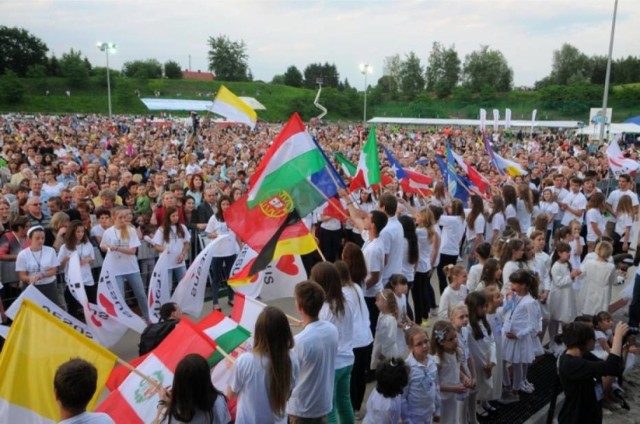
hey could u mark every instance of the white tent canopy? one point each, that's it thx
(593, 131)
(472, 122)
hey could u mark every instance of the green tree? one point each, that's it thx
(73, 68)
(488, 67)
(11, 88)
(53, 66)
(37, 71)
(19, 50)
(293, 77)
(392, 67)
(411, 76)
(278, 79)
(228, 59)
(328, 73)
(172, 70)
(99, 74)
(443, 71)
(569, 62)
(142, 69)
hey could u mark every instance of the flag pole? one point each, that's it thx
(225, 354)
(264, 305)
(153, 382)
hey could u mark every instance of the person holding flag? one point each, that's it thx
(173, 239)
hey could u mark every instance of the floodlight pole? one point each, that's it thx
(605, 96)
(105, 47)
(365, 69)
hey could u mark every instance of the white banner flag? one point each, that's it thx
(107, 330)
(507, 118)
(276, 281)
(496, 119)
(111, 301)
(34, 295)
(483, 119)
(159, 287)
(4, 331)
(190, 291)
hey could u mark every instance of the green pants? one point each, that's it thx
(342, 411)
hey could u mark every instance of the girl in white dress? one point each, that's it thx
(385, 404)
(398, 284)
(459, 317)
(542, 269)
(495, 320)
(520, 328)
(453, 384)
(595, 220)
(385, 341)
(422, 395)
(511, 261)
(562, 302)
(456, 291)
(482, 347)
(599, 276)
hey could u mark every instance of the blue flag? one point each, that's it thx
(395, 165)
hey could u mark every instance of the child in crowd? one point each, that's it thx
(482, 347)
(511, 261)
(456, 291)
(520, 330)
(147, 253)
(385, 404)
(422, 395)
(453, 389)
(385, 342)
(542, 268)
(562, 302)
(491, 275)
(494, 318)
(459, 317)
(624, 224)
(483, 253)
(399, 285)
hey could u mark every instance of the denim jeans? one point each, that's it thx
(342, 411)
(135, 282)
(177, 274)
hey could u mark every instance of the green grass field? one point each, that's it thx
(281, 101)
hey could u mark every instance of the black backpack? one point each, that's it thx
(154, 334)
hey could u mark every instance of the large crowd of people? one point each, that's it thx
(522, 270)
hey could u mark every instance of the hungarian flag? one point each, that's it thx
(272, 229)
(368, 170)
(227, 333)
(246, 310)
(293, 167)
(135, 400)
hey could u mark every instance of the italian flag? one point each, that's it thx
(227, 334)
(368, 170)
(246, 310)
(290, 162)
(135, 400)
(233, 108)
(347, 166)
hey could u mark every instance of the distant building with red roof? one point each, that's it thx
(197, 75)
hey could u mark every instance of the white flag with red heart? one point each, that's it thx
(276, 281)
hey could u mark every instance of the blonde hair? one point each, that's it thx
(453, 271)
(389, 299)
(604, 250)
(58, 220)
(124, 232)
(428, 222)
(453, 309)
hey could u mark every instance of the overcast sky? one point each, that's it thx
(283, 33)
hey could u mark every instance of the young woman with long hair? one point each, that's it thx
(475, 224)
(174, 240)
(410, 262)
(452, 232)
(428, 258)
(263, 378)
(120, 242)
(192, 397)
(337, 311)
(76, 240)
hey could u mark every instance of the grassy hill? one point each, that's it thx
(281, 100)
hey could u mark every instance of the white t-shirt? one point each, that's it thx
(373, 251)
(453, 228)
(38, 262)
(97, 231)
(315, 350)
(623, 221)
(425, 248)
(408, 269)
(551, 209)
(477, 228)
(344, 324)
(175, 246)
(497, 223)
(574, 201)
(123, 264)
(361, 330)
(509, 211)
(85, 250)
(594, 216)
(615, 196)
(52, 191)
(392, 236)
(250, 380)
(524, 216)
(451, 298)
(228, 246)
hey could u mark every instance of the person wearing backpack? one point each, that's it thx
(154, 334)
